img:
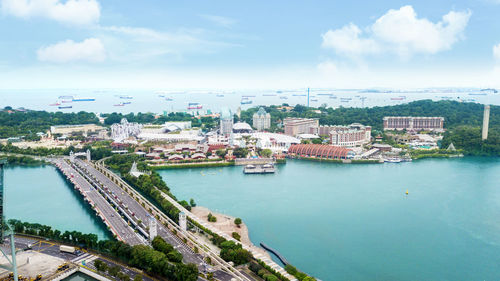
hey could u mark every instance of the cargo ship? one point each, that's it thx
(65, 97)
(65, 107)
(55, 104)
(126, 97)
(246, 102)
(83, 99)
(120, 104)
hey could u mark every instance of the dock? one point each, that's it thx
(259, 169)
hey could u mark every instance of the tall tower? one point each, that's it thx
(182, 221)
(87, 154)
(486, 121)
(2, 163)
(153, 230)
(307, 97)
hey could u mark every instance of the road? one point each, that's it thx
(108, 214)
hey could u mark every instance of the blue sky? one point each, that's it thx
(249, 44)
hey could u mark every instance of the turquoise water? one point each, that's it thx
(78, 276)
(354, 222)
(41, 195)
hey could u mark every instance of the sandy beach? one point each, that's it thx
(225, 223)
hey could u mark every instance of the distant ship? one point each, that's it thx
(333, 97)
(313, 100)
(248, 96)
(193, 103)
(246, 102)
(83, 99)
(478, 94)
(398, 98)
(219, 96)
(65, 107)
(169, 99)
(119, 104)
(324, 94)
(283, 98)
(126, 102)
(126, 97)
(67, 101)
(55, 104)
(446, 98)
(195, 107)
(279, 92)
(161, 96)
(345, 99)
(298, 95)
(268, 95)
(66, 97)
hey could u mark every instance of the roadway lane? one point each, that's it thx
(141, 213)
(107, 213)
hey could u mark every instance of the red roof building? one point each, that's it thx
(322, 151)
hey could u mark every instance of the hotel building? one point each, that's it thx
(297, 126)
(410, 123)
(350, 136)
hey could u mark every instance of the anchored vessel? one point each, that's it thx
(259, 169)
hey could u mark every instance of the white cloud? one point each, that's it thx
(79, 12)
(89, 50)
(399, 31)
(496, 52)
(219, 20)
(346, 41)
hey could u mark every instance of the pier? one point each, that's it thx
(276, 253)
(259, 169)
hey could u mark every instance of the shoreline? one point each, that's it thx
(225, 223)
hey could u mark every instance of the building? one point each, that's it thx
(322, 151)
(350, 136)
(83, 129)
(124, 130)
(486, 121)
(242, 128)
(410, 123)
(226, 122)
(297, 126)
(261, 120)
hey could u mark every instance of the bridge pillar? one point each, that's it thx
(71, 156)
(88, 155)
(153, 231)
(183, 221)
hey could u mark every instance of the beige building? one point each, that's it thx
(411, 123)
(261, 120)
(297, 126)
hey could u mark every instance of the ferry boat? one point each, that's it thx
(83, 99)
(246, 102)
(65, 107)
(65, 97)
(259, 169)
(392, 160)
(55, 104)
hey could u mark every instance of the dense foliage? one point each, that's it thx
(96, 152)
(28, 123)
(22, 160)
(455, 113)
(468, 139)
(140, 256)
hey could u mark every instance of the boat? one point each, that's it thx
(119, 104)
(259, 169)
(299, 95)
(397, 98)
(55, 104)
(169, 99)
(313, 100)
(65, 107)
(392, 160)
(324, 94)
(193, 103)
(65, 97)
(283, 98)
(333, 97)
(478, 94)
(268, 95)
(67, 101)
(246, 102)
(219, 95)
(126, 97)
(161, 96)
(195, 107)
(279, 92)
(83, 99)
(127, 102)
(248, 96)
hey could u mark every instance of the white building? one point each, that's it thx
(124, 130)
(261, 120)
(226, 122)
(350, 136)
(242, 128)
(278, 143)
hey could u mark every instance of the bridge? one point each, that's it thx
(121, 209)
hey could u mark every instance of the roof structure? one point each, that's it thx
(319, 151)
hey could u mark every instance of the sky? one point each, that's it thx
(219, 44)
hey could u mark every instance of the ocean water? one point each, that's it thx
(354, 222)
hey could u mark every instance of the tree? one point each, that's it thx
(240, 152)
(113, 271)
(138, 277)
(221, 153)
(237, 221)
(236, 236)
(192, 203)
(266, 153)
(211, 218)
